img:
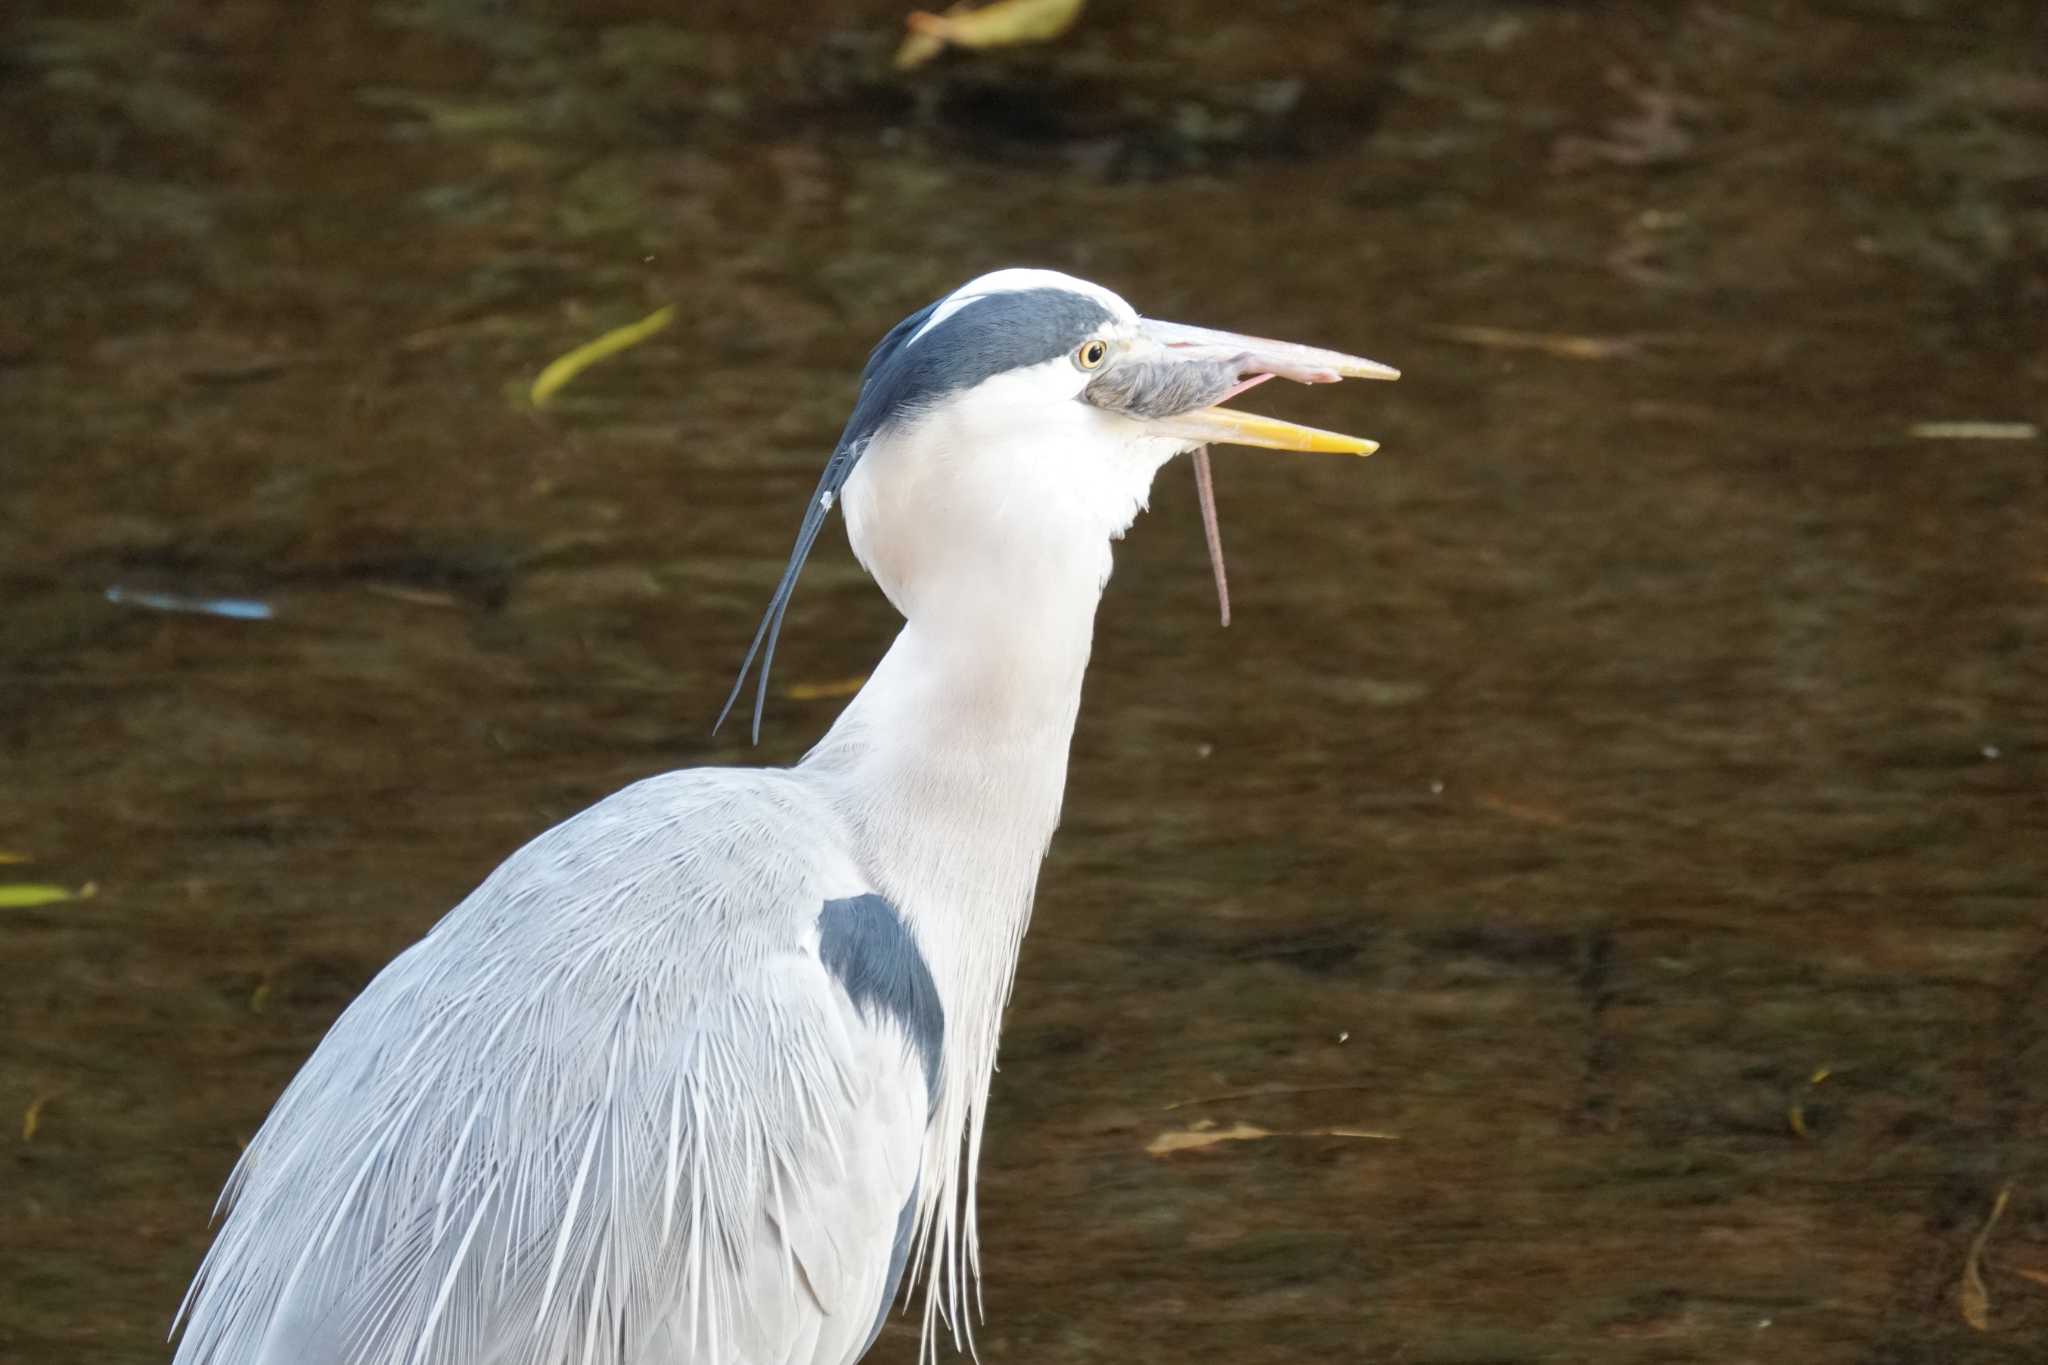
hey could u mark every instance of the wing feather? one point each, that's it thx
(625, 1028)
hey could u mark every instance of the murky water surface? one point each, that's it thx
(1627, 790)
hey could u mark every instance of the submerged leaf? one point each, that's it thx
(1207, 1134)
(567, 367)
(1189, 1139)
(32, 1117)
(26, 895)
(1549, 343)
(1973, 1297)
(1974, 431)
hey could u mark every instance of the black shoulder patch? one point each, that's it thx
(865, 945)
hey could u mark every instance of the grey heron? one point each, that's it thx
(699, 1075)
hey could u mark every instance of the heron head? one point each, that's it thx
(1006, 433)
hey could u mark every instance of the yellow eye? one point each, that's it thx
(1092, 354)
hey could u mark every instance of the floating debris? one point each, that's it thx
(1795, 1116)
(1549, 343)
(32, 1117)
(1006, 23)
(1974, 431)
(1973, 1297)
(561, 371)
(28, 895)
(1206, 1134)
(231, 608)
(417, 597)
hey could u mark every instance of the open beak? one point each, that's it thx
(1257, 359)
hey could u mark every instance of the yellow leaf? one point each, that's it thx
(917, 49)
(26, 895)
(566, 368)
(32, 1117)
(10, 858)
(1006, 23)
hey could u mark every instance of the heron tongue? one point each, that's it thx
(1242, 386)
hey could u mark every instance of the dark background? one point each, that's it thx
(1627, 789)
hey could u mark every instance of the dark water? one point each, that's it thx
(1657, 724)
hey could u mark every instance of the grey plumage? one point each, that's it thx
(612, 1108)
(899, 1261)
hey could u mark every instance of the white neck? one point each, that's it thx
(950, 767)
(988, 523)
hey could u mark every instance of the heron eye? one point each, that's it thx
(1092, 354)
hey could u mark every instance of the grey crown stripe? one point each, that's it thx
(983, 338)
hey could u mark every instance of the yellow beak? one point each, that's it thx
(1229, 427)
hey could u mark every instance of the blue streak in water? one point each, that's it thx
(233, 608)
